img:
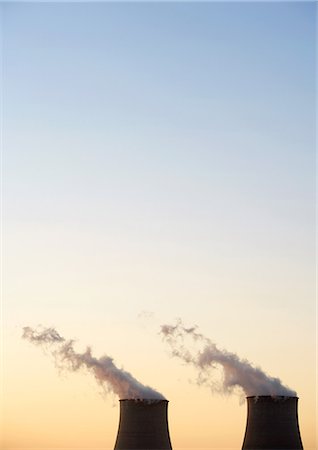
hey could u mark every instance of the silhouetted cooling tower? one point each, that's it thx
(143, 425)
(272, 423)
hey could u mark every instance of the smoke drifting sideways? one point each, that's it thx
(235, 372)
(110, 377)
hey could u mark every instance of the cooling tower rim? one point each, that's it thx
(278, 397)
(144, 400)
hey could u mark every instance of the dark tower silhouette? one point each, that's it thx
(143, 425)
(272, 423)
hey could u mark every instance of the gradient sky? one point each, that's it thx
(158, 157)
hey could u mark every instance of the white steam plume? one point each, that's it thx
(235, 371)
(117, 380)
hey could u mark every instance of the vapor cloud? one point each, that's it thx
(236, 372)
(106, 373)
(43, 336)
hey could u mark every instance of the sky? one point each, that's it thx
(158, 162)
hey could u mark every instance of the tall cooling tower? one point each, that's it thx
(272, 424)
(143, 425)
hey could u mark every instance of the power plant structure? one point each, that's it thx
(143, 425)
(272, 423)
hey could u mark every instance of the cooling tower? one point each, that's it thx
(272, 424)
(143, 425)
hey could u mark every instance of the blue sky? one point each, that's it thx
(164, 94)
(164, 123)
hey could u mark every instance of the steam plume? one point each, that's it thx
(117, 380)
(235, 371)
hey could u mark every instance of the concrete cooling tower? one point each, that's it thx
(272, 424)
(143, 425)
